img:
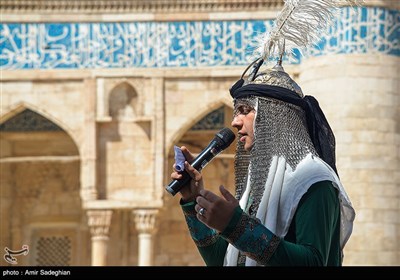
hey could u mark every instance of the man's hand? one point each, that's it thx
(218, 211)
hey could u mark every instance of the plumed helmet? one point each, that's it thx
(277, 76)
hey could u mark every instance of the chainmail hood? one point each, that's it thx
(287, 124)
(280, 130)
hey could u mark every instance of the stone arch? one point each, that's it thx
(40, 166)
(123, 101)
(192, 121)
(21, 106)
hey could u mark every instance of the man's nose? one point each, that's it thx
(236, 122)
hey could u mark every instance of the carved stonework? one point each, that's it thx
(145, 220)
(154, 6)
(100, 6)
(99, 222)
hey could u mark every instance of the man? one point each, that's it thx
(290, 207)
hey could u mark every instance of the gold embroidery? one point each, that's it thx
(207, 241)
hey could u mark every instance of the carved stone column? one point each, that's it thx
(145, 221)
(99, 223)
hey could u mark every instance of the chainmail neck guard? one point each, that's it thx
(280, 130)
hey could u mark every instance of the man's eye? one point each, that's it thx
(245, 110)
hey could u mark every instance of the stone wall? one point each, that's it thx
(360, 97)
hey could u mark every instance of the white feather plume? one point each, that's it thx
(300, 24)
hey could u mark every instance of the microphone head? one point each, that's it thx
(224, 138)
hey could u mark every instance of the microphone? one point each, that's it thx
(220, 142)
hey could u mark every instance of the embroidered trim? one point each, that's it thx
(202, 235)
(253, 239)
(209, 240)
(244, 221)
(268, 251)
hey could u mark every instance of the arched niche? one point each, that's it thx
(40, 172)
(28, 133)
(34, 114)
(123, 102)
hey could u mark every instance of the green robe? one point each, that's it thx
(313, 238)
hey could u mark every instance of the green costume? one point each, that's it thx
(313, 237)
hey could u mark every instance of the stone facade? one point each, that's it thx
(87, 147)
(364, 113)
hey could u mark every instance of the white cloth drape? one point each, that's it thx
(283, 190)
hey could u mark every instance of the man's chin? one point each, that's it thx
(248, 148)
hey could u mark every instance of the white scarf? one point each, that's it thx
(283, 190)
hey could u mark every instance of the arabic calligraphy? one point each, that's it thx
(9, 255)
(180, 44)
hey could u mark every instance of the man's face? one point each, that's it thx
(243, 121)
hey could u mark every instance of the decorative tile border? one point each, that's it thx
(122, 6)
(180, 44)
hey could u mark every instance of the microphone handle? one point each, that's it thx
(176, 185)
(202, 160)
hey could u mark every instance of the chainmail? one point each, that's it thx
(242, 157)
(280, 130)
